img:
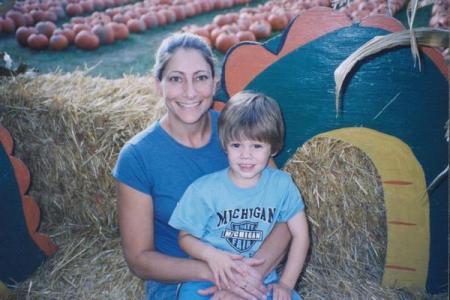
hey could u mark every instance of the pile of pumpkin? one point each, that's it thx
(31, 12)
(115, 23)
(439, 19)
(360, 9)
(439, 14)
(251, 24)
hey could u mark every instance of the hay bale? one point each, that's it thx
(345, 208)
(69, 129)
(89, 265)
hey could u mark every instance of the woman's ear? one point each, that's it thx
(216, 85)
(158, 86)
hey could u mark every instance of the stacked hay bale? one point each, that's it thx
(69, 129)
(345, 207)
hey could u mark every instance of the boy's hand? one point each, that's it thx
(224, 266)
(280, 291)
(252, 281)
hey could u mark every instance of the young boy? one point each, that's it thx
(225, 216)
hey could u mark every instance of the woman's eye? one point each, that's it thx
(175, 79)
(202, 77)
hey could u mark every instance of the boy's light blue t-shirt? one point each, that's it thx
(234, 219)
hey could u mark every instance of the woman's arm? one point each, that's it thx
(222, 264)
(136, 224)
(297, 250)
(273, 249)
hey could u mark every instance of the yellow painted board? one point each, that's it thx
(406, 202)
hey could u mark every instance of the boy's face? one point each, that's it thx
(247, 159)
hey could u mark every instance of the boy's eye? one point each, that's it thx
(235, 145)
(257, 146)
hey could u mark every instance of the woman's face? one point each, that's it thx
(187, 86)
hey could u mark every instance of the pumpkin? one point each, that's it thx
(99, 5)
(45, 27)
(161, 18)
(105, 33)
(23, 33)
(180, 12)
(74, 9)
(221, 20)
(136, 25)
(37, 41)
(67, 32)
(80, 27)
(121, 31)
(58, 42)
(7, 25)
(171, 17)
(87, 5)
(86, 40)
(261, 29)
(225, 41)
(150, 20)
(278, 21)
(17, 17)
(190, 10)
(246, 35)
(50, 16)
(38, 15)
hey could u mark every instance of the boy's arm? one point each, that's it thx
(194, 247)
(297, 251)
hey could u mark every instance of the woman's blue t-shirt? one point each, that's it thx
(153, 163)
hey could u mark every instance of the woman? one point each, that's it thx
(155, 167)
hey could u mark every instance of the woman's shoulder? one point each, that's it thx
(210, 179)
(146, 134)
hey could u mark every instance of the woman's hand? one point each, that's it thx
(225, 267)
(280, 291)
(249, 286)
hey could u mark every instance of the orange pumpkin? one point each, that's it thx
(150, 20)
(278, 21)
(37, 15)
(161, 18)
(221, 20)
(23, 33)
(86, 40)
(171, 17)
(7, 25)
(17, 17)
(180, 12)
(121, 31)
(105, 33)
(246, 35)
(37, 41)
(261, 29)
(74, 9)
(45, 27)
(67, 32)
(136, 25)
(80, 27)
(225, 41)
(58, 42)
(87, 5)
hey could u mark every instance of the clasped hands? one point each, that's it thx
(235, 277)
